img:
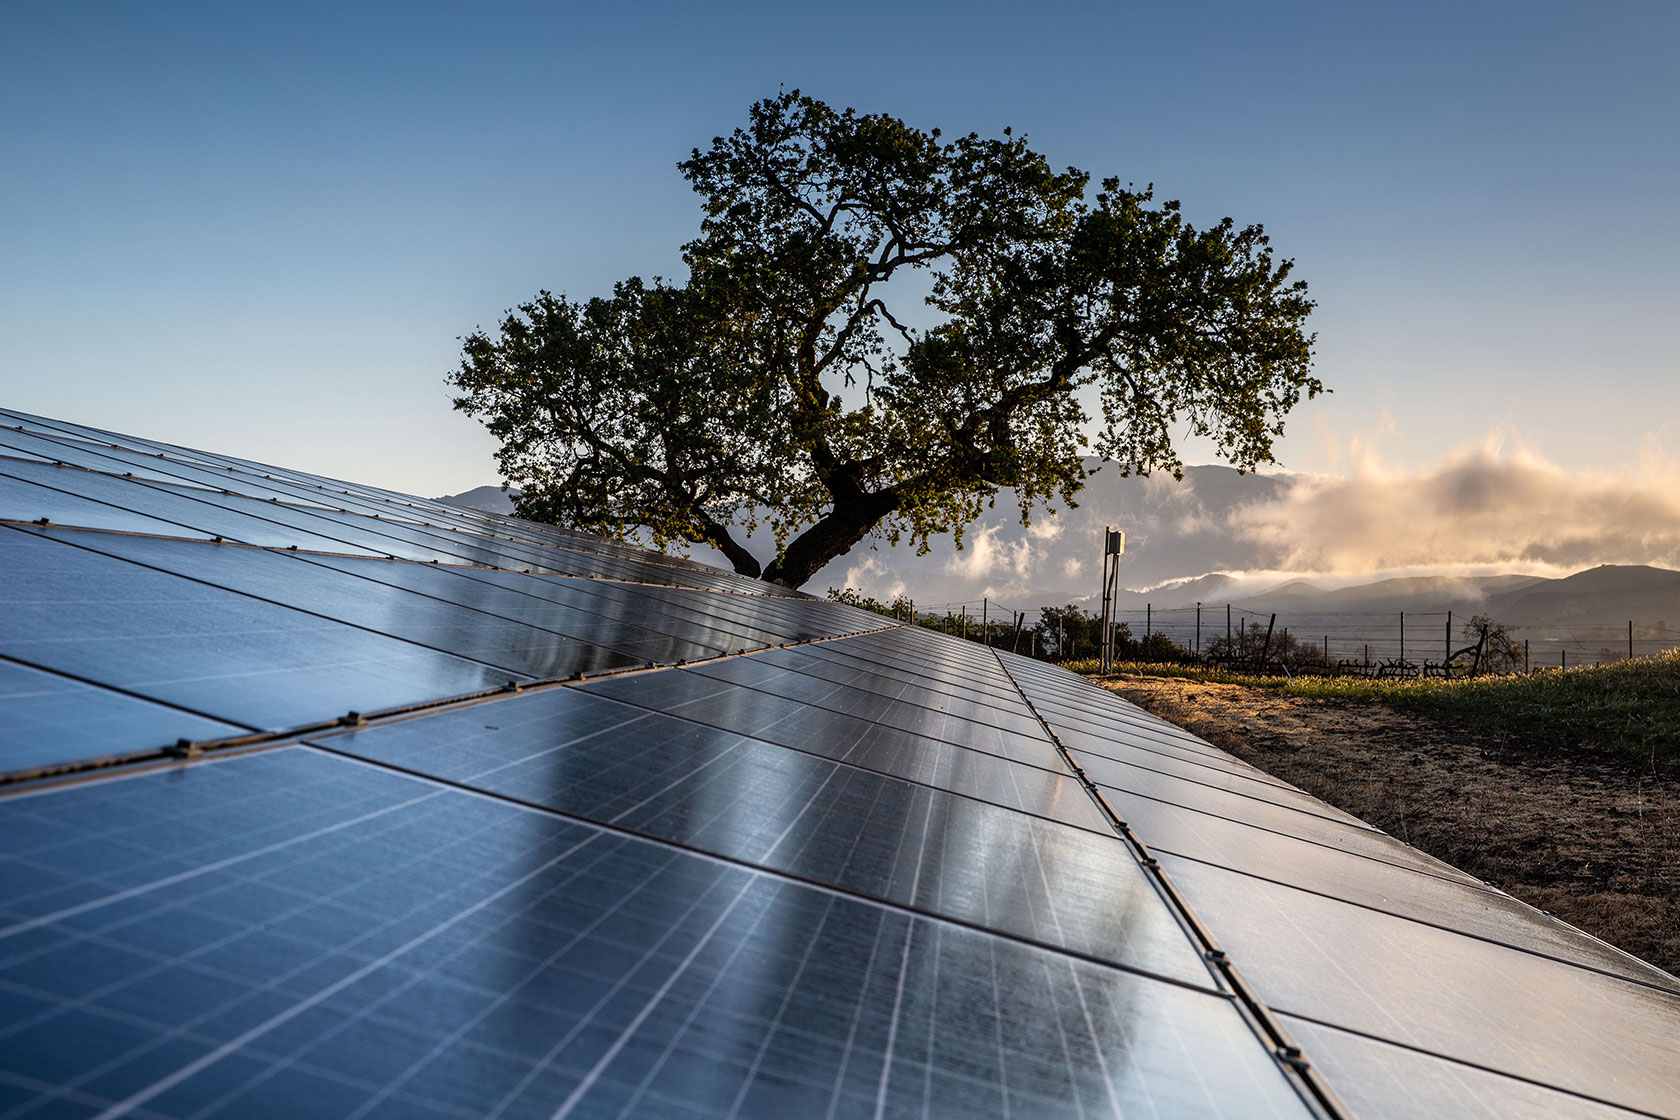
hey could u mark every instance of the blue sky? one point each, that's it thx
(263, 230)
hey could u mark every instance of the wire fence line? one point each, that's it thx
(1368, 643)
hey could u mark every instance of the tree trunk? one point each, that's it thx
(833, 535)
(719, 537)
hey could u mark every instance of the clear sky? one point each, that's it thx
(262, 229)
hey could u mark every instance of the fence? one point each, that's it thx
(1365, 643)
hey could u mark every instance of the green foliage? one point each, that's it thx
(898, 608)
(784, 383)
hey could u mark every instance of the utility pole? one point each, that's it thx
(1114, 545)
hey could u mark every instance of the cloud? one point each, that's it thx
(1494, 506)
(871, 576)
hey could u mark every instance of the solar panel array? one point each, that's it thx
(321, 800)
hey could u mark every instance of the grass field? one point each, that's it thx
(1628, 705)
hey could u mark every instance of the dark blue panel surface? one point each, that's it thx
(22, 500)
(973, 773)
(49, 720)
(387, 596)
(398, 949)
(171, 510)
(796, 812)
(204, 649)
(1013, 739)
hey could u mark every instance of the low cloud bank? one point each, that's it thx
(1481, 510)
(1493, 508)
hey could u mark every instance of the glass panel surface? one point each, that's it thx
(1221, 770)
(1116, 766)
(1022, 742)
(1266, 814)
(169, 510)
(1379, 1079)
(1479, 911)
(1506, 1010)
(863, 654)
(1102, 736)
(799, 813)
(380, 602)
(626, 605)
(51, 720)
(421, 951)
(708, 618)
(701, 693)
(953, 698)
(21, 500)
(858, 742)
(205, 649)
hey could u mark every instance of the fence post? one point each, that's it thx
(1148, 614)
(1198, 629)
(1563, 658)
(1525, 655)
(965, 622)
(985, 626)
(1402, 635)
(1446, 657)
(1267, 649)
(1630, 639)
(1326, 653)
(1227, 629)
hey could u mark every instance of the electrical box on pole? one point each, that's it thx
(1114, 544)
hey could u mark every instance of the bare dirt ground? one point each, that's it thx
(1590, 835)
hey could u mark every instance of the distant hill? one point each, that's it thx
(490, 499)
(1643, 595)
(1599, 597)
(1406, 593)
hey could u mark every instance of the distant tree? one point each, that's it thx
(1068, 633)
(789, 383)
(1501, 651)
(898, 607)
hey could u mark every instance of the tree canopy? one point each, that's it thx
(880, 329)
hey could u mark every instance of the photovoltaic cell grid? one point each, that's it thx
(628, 836)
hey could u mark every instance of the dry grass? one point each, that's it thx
(1626, 705)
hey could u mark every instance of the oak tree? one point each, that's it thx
(881, 328)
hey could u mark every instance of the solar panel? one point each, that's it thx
(446, 814)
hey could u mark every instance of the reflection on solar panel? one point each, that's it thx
(319, 800)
